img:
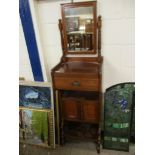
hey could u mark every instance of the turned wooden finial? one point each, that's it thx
(99, 24)
(60, 24)
(99, 21)
(62, 36)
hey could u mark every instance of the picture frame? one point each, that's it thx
(36, 95)
(33, 84)
(36, 127)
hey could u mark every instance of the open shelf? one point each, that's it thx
(80, 95)
(74, 130)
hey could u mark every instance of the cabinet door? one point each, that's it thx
(71, 109)
(90, 111)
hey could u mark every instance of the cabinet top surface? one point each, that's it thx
(78, 67)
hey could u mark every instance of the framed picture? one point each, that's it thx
(36, 127)
(39, 96)
(72, 24)
(35, 95)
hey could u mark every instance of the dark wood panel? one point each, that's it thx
(70, 109)
(90, 111)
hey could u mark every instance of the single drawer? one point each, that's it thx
(76, 84)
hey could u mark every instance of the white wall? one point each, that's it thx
(24, 62)
(34, 14)
(117, 37)
(118, 40)
(48, 13)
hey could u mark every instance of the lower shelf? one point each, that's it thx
(80, 131)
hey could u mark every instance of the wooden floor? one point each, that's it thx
(74, 148)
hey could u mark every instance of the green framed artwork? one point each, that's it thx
(36, 127)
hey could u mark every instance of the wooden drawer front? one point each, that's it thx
(77, 84)
(90, 110)
(70, 109)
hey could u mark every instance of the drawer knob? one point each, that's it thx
(75, 83)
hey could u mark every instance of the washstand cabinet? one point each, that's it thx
(77, 78)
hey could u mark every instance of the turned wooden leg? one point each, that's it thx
(62, 133)
(98, 140)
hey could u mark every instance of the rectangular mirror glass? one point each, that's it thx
(79, 27)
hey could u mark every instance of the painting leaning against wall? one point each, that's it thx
(36, 114)
(34, 97)
(35, 127)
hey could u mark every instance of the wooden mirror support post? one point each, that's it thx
(77, 80)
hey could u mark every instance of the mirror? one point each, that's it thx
(79, 27)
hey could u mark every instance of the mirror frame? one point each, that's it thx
(75, 5)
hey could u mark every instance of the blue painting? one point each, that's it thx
(35, 97)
